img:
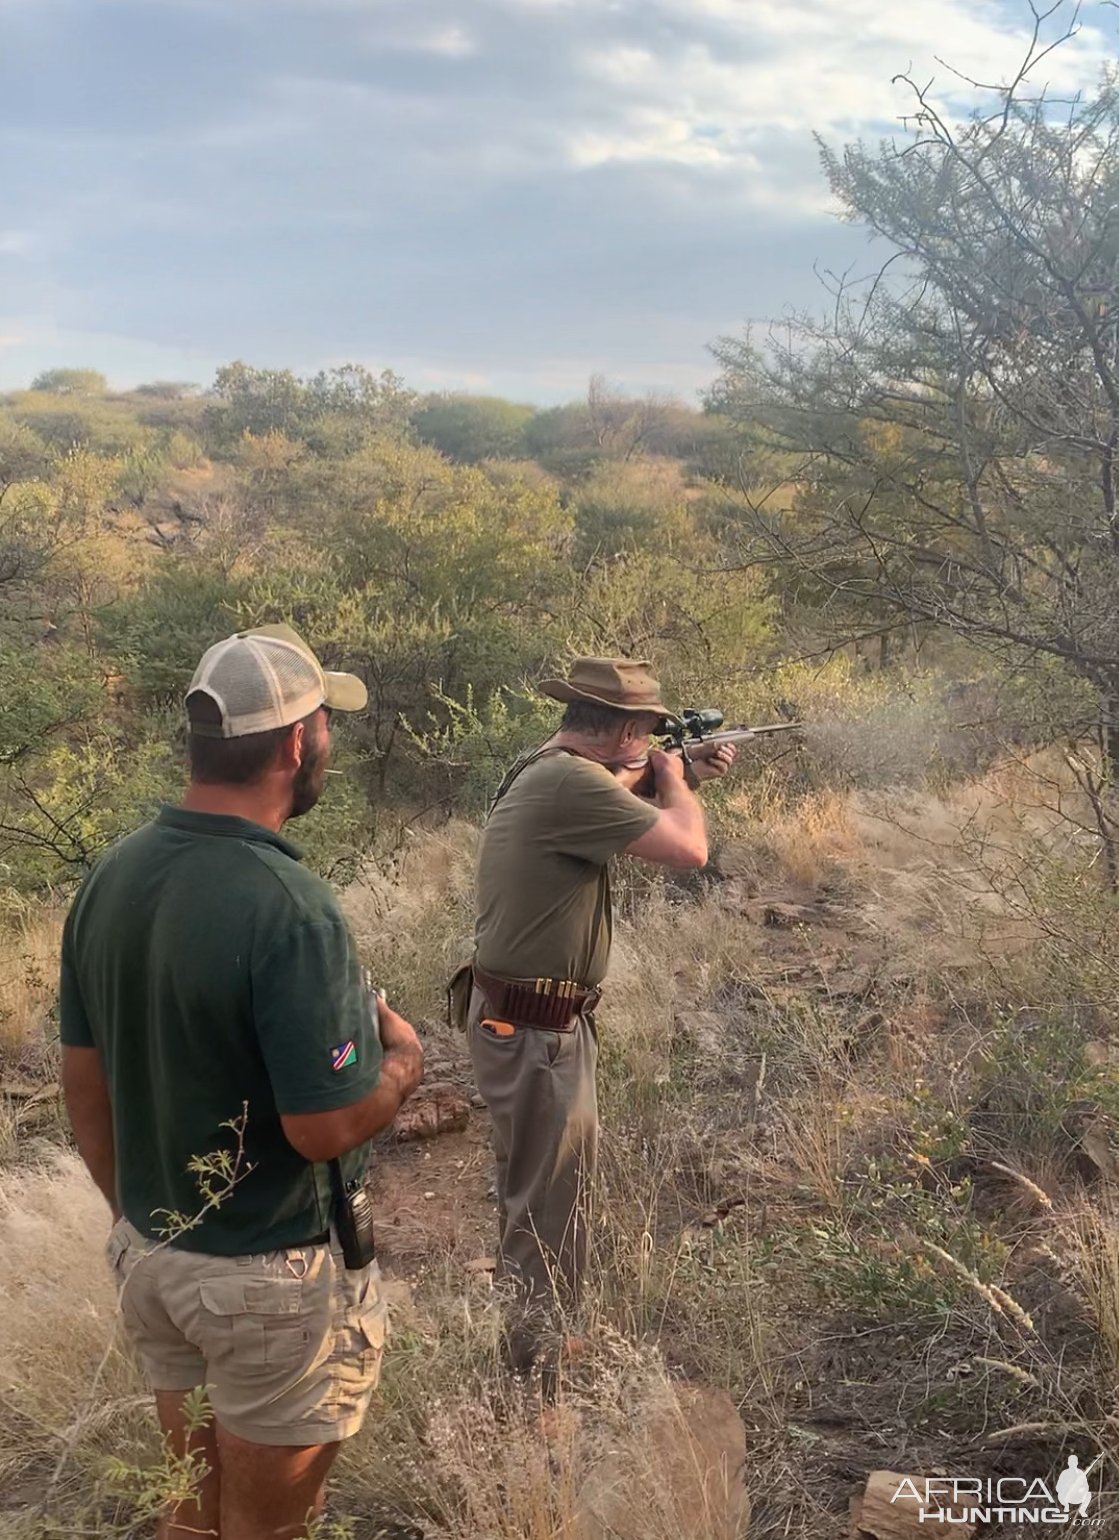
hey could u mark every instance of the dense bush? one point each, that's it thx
(406, 538)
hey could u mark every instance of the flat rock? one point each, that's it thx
(849, 984)
(881, 1514)
(1096, 1144)
(1099, 1054)
(685, 1472)
(782, 916)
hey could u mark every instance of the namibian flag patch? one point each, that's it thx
(344, 1055)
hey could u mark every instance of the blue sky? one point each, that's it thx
(505, 195)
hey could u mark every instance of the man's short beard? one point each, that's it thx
(309, 780)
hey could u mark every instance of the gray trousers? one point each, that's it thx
(539, 1088)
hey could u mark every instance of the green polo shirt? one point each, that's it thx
(216, 976)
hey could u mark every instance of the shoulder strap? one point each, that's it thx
(520, 764)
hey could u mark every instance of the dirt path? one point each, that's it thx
(434, 1201)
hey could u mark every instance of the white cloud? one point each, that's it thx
(648, 133)
(790, 68)
(451, 41)
(17, 243)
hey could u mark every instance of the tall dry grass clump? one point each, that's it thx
(643, 1459)
(29, 949)
(779, 834)
(1087, 1247)
(412, 918)
(65, 1376)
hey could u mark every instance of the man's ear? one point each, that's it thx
(293, 747)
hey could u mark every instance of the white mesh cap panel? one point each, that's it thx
(259, 683)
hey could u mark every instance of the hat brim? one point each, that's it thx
(345, 692)
(563, 690)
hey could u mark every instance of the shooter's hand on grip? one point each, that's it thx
(711, 765)
(667, 768)
(714, 766)
(662, 768)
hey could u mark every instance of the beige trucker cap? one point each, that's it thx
(268, 678)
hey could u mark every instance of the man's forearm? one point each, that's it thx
(681, 804)
(674, 793)
(401, 1072)
(100, 1161)
(86, 1095)
(326, 1135)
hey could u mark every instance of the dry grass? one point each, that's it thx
(413, 921)
(29, 950)
(801, 840)
(450, 1441)
(735, 1072)
(1087, 1245)
(626, 1465)
(818, 1132)
(58, 1309)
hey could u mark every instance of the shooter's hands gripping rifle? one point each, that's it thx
(699, 736)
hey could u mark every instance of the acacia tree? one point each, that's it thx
(623, 426)
(952, 425)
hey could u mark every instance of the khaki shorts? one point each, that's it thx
(288, 1343)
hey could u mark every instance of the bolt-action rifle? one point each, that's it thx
(699, 734)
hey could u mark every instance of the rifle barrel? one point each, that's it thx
(703, 748)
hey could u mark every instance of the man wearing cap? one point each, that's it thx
(213, 1010)
(542, 945)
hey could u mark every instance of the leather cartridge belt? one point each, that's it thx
(554, 1004)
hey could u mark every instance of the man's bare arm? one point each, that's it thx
(679, 836)
(327, 1135)
(86, 1094)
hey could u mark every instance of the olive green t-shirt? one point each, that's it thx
(543, 881)
(216, 974)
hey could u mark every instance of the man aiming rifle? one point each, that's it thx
(542, 946)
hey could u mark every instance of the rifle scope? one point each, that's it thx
(697, 724)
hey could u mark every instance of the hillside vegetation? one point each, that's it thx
(136, 528)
